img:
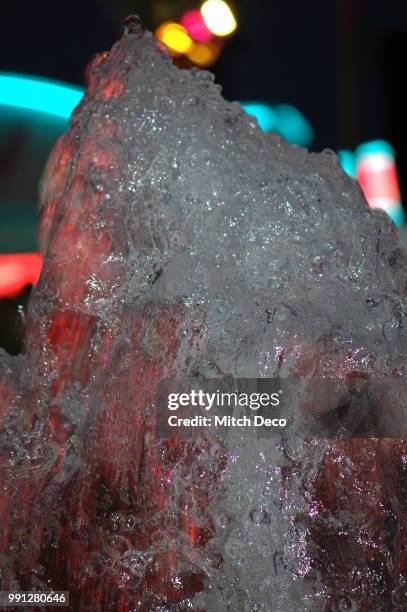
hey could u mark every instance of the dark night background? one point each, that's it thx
(341, 62)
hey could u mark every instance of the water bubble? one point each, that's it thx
(117, 546)
(260, 516)
(222, 520)
(176, 582)
(136, 563)
(131, 521)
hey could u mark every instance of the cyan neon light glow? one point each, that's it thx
(266, 117)
(293, 126)
(284, 119)
(347, 159)
(40, 95)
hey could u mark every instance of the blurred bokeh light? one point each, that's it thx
(376, 172)
(218, 17)
(195, 25)
(175, 37)
(17, 271)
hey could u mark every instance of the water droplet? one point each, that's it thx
(131, 521)
(260, 516)
(118, 546)
(136, 563)
(222, 520)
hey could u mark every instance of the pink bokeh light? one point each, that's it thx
(194, 24)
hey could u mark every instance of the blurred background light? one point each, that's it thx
(175, 37)
(265, 115)
(205, 54)
(218, 17)
(348, 162)
(40, 95)
(293, 126)
(195, 25)
(198, 38)
(376, 172)
(34, 112)
(284, 119)
(17, 271)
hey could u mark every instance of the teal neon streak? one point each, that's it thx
(293, 126)
(397, 215)
(347, 160)
(375, 146)
(40, 95)
(266, 117)
(284, 119)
